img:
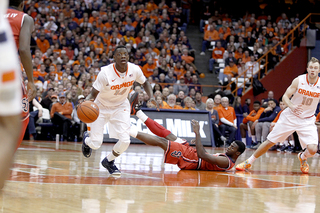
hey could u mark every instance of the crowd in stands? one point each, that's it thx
(237, 44)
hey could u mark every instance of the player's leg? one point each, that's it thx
(156, 128)
(150, 139)
(22, 132)
(280, 132)
(243, 131)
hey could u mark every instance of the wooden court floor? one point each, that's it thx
(49, 178)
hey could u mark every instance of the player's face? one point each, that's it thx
(121, 56)
(313, 69)
(232, 149)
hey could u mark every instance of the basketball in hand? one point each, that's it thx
(88, 111)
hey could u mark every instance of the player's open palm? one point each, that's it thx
(195, 126)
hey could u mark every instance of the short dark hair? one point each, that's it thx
(241, 146)
(257, 102)
(15, 3)
(119, 47)
(274, 100)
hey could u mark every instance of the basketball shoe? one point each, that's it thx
(86, 150)
(243, 166)
(133, 102)
(303, 164)
(109, 165)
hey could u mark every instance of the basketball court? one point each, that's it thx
(49, 177)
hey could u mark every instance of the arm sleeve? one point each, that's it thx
(225, 121)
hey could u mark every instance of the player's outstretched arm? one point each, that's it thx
(287, 95)
(220, 161)
(25, 54)
(147, 87)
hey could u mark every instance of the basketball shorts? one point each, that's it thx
(183, 155)
(289, 123)
(118, 120)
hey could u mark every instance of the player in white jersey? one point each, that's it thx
(110, 92)
(10, 95)
(298, 116)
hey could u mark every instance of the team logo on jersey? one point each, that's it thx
(309, 93)
(176, 154)
(25, 105)
(124, 84)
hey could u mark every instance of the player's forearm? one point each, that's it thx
(287, 101)
(147, 87)
(26, 61)
(201, 152)
(92, 96)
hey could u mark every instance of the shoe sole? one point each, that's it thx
(133, 103)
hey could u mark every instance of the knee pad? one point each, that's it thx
(121, 146)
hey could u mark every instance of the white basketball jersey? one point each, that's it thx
(113, 86)
(308, 95)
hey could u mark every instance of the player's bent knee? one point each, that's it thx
(95, 144)
(312, 149)
(121, 146)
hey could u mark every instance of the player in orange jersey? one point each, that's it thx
(10, 95)
(298, 116)
(22, 24)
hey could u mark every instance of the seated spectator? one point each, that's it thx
(217, 53)
(237, 106)
(248, 120)
(181, 95)
(33, 117)
(170, 78)
(198, 102)
(246, 107)
(187, 103)
(219, 139)
(229, 58)
(210, 35)
(178, 87)
(148, 68)
(228, 72)
(61, 115)
(195, 84)
(161, 102)
(228, 120)
(172, 103)
(186, 57)
(252, 66)
(262, 125)
(217, 102)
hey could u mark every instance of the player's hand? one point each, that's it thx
(155, 103)
(193, 141)
(254, 124)
(297, 109)
(195, 126)
(32, 91)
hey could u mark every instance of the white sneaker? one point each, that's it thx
(202, 53)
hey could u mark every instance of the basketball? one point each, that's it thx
(88, 111)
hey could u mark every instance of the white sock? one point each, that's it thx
(179, 140)
(133, 132)
(253, 138)
(252, 159)
(244, 140)
(111, 157)
(142, 116)
(306, 154)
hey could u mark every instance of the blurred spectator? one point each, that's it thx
(172, 103)
(187, 103)
(198, 101)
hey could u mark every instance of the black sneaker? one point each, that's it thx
(86, 150)
(113, 170)
(134, 102)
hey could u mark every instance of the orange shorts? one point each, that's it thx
(183, 155)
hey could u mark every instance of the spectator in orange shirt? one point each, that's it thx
(228, 120)
(217, 53)
(172, 103)
(210, 35)
(43, 43)
(187, 103)
(148, 68)
(229, 72)
(248, 121)
(186, 57)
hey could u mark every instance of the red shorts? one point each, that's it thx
(183, 155)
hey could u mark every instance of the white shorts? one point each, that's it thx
(10, 73)
(289, 123)
(118, 120)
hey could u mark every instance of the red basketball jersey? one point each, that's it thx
(15, 19)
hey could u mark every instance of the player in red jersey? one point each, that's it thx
(22, 24)
(10, 95)
(178, 151)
